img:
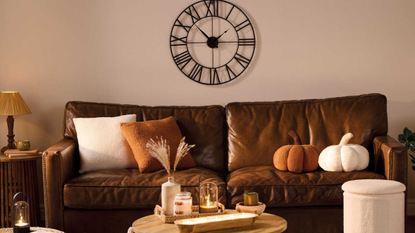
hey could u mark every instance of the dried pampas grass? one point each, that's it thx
(161, 151)
(182, 150)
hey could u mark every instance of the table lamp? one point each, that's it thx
(12, 104)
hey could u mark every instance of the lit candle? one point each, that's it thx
(210, 207)
(20, 215)
(21, 224)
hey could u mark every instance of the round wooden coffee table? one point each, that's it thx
(265, 223)
(10, 230)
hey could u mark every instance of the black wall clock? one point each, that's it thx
(212, 42)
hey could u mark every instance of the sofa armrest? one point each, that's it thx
(58, 165)
(390, 159)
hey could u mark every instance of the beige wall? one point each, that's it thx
(54, 51)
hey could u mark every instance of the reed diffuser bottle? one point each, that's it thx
(168, 190)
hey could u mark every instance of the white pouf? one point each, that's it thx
(374, 206)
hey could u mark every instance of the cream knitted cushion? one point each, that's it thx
(344, 157)
(102, 144)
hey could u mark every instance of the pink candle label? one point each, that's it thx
(183, 207)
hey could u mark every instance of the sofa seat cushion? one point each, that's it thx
(278, 188)
(130, 189)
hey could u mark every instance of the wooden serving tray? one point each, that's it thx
(159, 212)
(214, 223)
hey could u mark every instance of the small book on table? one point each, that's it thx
(21, 153)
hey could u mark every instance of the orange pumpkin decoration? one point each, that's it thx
(297, 158)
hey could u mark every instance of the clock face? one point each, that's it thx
(212, 42)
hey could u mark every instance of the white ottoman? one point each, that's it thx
(374, 206)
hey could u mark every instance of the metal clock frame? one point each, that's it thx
(215, 14)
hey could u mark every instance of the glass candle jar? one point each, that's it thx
(183, 203)
(208, 198)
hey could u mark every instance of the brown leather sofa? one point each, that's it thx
(237, 143)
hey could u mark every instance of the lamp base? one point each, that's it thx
(10, 124)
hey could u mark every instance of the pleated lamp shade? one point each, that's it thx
(12, 104)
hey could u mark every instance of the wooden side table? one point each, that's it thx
(265, 223)
(19, 174)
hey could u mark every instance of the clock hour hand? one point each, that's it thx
(202, 32)
(222, 34)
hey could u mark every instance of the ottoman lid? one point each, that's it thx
(373, 187)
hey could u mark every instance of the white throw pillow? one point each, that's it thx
(102, 144)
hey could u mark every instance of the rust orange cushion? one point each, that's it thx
(139, 133)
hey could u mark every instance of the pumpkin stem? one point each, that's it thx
(296, 138)
(345, 139)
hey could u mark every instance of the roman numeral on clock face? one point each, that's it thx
(193, 13)
(183, 59)
(247, 42)
(230, 71)
(176, 41)
(214, 76)
(242, 25)
(243, 61)
(179, 24)
(230, 12)
(196, 72)
(212, 8)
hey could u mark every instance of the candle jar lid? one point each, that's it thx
(183, 195)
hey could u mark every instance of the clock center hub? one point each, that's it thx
(213, 42)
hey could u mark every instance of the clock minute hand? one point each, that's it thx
(202, 32)
(222, 34)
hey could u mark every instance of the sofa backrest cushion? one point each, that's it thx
(257, 130)
(203, 126)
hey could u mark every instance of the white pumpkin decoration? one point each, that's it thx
(344, 157)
